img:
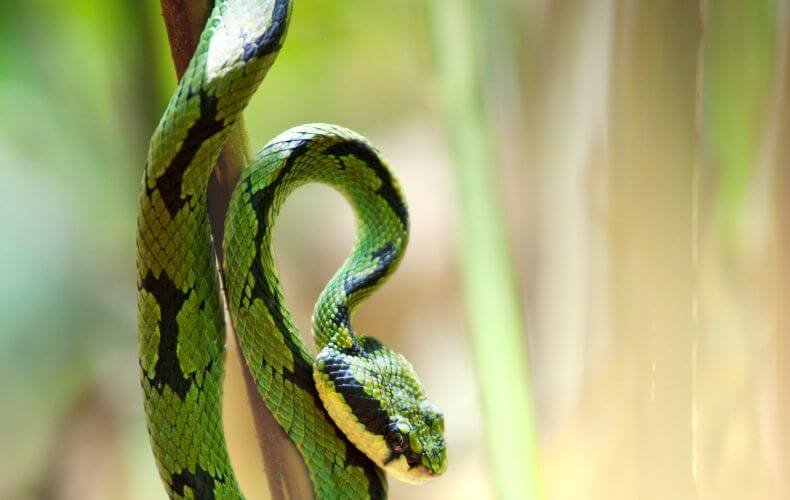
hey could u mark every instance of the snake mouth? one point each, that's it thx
(420, 474)
(424, 471)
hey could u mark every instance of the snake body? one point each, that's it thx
(355, 409)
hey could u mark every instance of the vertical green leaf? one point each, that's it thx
(739, 47)
(492, 307)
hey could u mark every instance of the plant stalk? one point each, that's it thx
(491, 303)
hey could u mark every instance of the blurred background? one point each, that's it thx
(594, 291)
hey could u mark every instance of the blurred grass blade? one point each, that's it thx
(653, 149)
(778, 269)
(739, 47)
(491, 304)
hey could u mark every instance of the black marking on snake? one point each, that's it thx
(363, 152)
(200, 482)
(369, 411)
(375, 477)
(301, 376)
(262, 202)
(412, 458)
(385, 256)
(362, 345)
(365, 408)
(370, 344)
(271, 40)
(169, 183)
(341, 316)
(170, 300)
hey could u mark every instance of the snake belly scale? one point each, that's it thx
(355, 410)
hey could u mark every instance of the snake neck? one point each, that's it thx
(368, 266)
(345, 161)
(273, 349)
(382, 236)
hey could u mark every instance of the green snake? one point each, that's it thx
(355, 410)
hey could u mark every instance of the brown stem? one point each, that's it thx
(286, 474)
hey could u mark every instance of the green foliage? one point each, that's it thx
(738, 56)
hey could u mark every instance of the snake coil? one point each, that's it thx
(358, 407)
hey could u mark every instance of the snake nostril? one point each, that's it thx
(440, 465)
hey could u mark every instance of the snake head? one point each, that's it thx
(416, 444)
(375, 398)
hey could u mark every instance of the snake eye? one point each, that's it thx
(397, 440)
